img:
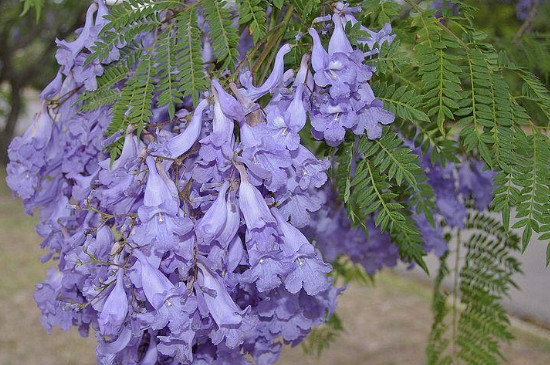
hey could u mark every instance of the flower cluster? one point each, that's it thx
(186, 248)
(454, 184)
(343, 98)
(207, 240)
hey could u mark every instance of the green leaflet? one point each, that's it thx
(372, 192)
(192, 78)
(38, 5)
(252, 13)
(321, 337)
(223, 34)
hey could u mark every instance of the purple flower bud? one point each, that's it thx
(319, 57)
(128, 154)
(294, 241)
(155, 285)
(296, 112)
(304, 75)
(151, 356)
(39, 134)
(235, 254)
(220, 305)
(273, 81)
(53, 88)
(222, 126)
(157, 193)
(252, 204)
(231, 225)
(230, 106)
(213, 221)
(115, 309)
(68, 51)
(102, 12)
(339, 42)
(181, 143)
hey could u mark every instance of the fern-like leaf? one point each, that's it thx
(401, 166)
(484, 270)
(168, 91)
(372, 194)
(252, 13)
(192, 78)
(134, 105)
(222, 32)
(439, 68)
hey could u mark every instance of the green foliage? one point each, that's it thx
(344, 171)
(438, 67)
(307, 10)
(382, 11)
(437, 342)
(192, 78)
(321, 337)
(482, 275)
(223, 34)
(533, 178)
(253, 14)
(344, 271)
(134, 104)
(37, 5)
(107, 92)
(446, 79)
(372, 192)
(401, 166)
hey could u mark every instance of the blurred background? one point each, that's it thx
(385, 323)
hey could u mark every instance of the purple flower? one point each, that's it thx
(68, 51)
(213, 221)
(343, 99)
(162, 225)
(265, 159)
(155, 285)
(115, 309)
(372, 118)
(310, 171)
(181, 143)
(252, 204)
(220, 305)
(273, 81)
(473, 180)
(267, 273)
(432, 236)
(331, 120)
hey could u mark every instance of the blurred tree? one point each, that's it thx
(27, 50)
(526, 37)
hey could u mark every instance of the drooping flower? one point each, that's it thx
(115, 309)
(344, 99)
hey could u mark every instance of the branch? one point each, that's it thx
(528, 23)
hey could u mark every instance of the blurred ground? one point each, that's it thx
(385, 324)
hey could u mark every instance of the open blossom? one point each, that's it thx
(161, 224)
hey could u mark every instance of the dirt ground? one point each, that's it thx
(385, 324)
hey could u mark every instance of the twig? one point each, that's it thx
(528, 23)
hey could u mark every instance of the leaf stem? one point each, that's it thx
(455, 298)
